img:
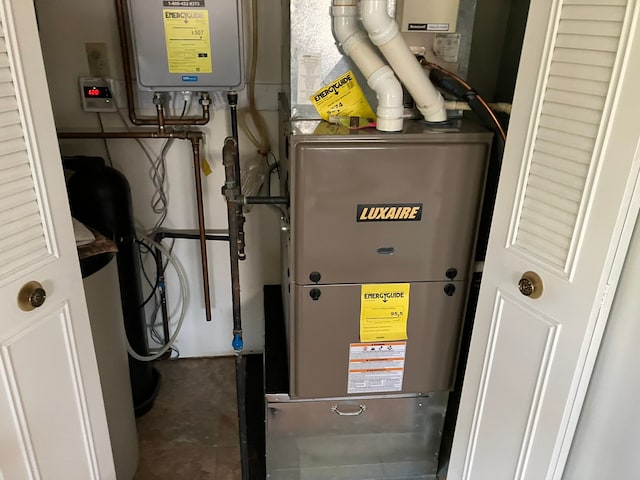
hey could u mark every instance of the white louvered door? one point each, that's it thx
(52, 420)
(567, 202)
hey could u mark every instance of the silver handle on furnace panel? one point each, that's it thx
(360, 411)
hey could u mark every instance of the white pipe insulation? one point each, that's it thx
(380, 77)
(385, 34)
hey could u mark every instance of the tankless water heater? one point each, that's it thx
(187, 44)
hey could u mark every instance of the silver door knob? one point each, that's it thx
(530, 285)
(31, 296)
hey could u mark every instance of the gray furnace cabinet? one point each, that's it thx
(376, 268)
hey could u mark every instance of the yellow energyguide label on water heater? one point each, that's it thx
(342, 98)
(188, 43)
(384, 310)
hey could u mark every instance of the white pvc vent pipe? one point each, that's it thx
(385, 34)
(380, 77)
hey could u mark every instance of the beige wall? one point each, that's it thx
(65, 27)
(608, 434)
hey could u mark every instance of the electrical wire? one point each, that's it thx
(154, 285)
(159, 205)
(158, 172)
(184, 300)
(157, 288)
(104, 140)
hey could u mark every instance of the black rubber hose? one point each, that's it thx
(451, 84)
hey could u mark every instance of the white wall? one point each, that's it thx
(608, 434)
(65, 27)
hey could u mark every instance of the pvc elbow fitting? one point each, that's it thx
(389, 93)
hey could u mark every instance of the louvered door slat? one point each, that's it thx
(18, 255)
(555, 188)
(587, 42)
(595, 28)
(552, 200)
(585, 57)
(572, 70)
(569, 121)
(15, 173)
(593, 102)
(548, 250)
(587, 86)
(556, 176)
(572, 126)
(13, 146)
(8, 103)
(19, 211)
(562, 151)
(10, 191)
(543, 231)
(6, 90)
(20, 225)
(571, 112)
(10, 161)
(611, 13)
(551, 212)
(5, 76)
(549, 223)
(561, 164)
(19, 237)
(566, 139)
(9, 133)
(9, 118)
(595, 2)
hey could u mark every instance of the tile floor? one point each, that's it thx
(191, 433)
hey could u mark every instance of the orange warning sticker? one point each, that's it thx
(376, 367)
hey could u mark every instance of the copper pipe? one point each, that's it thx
(160, 110)
(179, 135)
(195, 137)
(125, 49)
(195, 144)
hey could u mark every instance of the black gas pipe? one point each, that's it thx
(231, 191)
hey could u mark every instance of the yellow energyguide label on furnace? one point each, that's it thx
(342, 98)
(384, 310)
(188, 43)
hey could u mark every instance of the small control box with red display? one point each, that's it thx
(96, 95)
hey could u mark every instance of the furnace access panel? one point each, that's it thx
(382, 233)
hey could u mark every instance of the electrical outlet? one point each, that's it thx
(97, 59)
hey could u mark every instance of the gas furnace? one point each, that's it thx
(377, 265)
(382, 230)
